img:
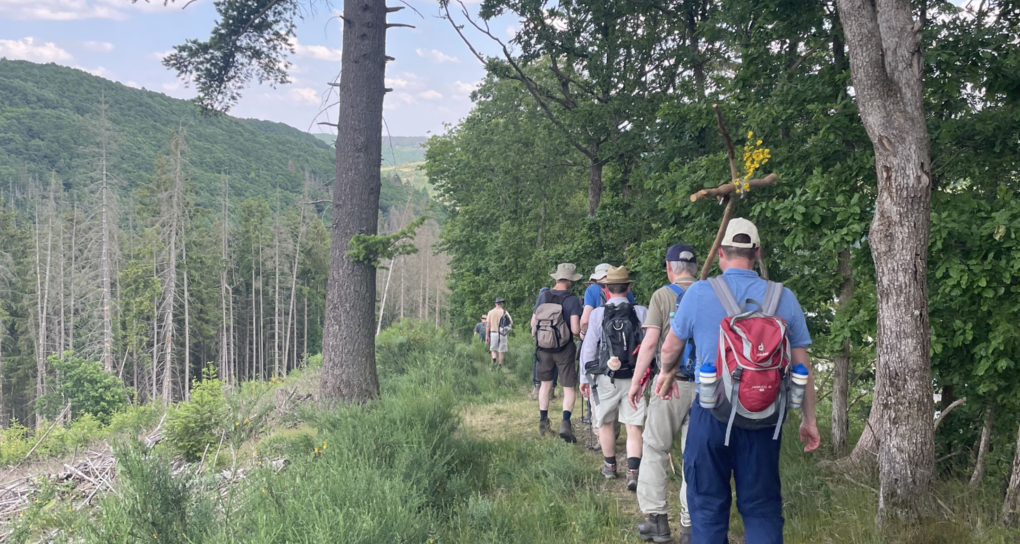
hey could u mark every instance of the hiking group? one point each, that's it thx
(726, 359)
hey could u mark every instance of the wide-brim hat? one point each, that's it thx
(617, 275)
(566, 271)
(600, 272)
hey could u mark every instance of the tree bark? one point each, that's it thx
(348, 366)
(1012, 502)
(885, 63)
(841, 364)
(982, 450)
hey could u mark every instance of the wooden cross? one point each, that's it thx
(723, 194)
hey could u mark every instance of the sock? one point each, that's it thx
(493, 360)
(543, 415)
(610, 460)
(633, 463)
(566, 415)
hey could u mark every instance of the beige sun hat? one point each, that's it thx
(617, 275)
(566, 271)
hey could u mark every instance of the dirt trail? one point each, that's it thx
(516, 418)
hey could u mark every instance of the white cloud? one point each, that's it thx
(405, 80)
(132, 84)
(306, 95)
(158, 55)
(320, 52)
(511, 31)
(60, 10)
(396, 83)
(171, 86)
(30, 49)
(430, 95)
(436, 56)
(100, 72)
(97, 47)
(465, 88)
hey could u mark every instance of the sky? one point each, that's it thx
(432, 77)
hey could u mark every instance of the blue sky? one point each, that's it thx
(432, 77)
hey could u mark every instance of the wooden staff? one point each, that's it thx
(724, 192)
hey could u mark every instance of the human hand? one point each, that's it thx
(809, 434)
(665, 386)
(635, 393)
(585, 389)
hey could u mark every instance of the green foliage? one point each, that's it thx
(195, 425)
(152, 504)
(86, 387)
(372, 249)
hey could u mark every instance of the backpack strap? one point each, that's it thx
(722, 290)
(773, 292)
(677, 290)
(734, 399)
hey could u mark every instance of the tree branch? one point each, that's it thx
(944, 413)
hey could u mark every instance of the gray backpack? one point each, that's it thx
(551, 331)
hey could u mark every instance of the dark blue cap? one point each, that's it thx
(681, 252)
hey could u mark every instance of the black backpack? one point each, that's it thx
(621, 336)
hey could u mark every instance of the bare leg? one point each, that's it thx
(543, 395)
(634, 443)
(568, 398)
(607, 439)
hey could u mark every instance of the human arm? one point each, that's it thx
(809, 424)
(575, 325)
(585, 318)
(589, 349)
(669, 359)
(645, 356)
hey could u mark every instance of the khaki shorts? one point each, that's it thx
(497, 342)
(613, 404)
(565, 360)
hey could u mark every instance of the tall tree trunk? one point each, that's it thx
(348, 366)
(62, 328)
(982, 449)
(187, 325)
(262, 318)
(595, 167)
(1012, 502)
(224, 263)
(886, 65)
(105, 266)
(841, 364)
(292, 307)
(74, 251)
(276, 289)
(42, 285)
(304, 330)
(382, 305)
(155, 331)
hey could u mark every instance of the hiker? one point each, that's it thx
(554, 324)
(608, 356)
(534, 366)
(498, 324)
(664, 418)
(594, 296)
(480, 328)
(721, 442)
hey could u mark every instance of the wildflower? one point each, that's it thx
(750, 134)
(236, 423)
(247, 421)
(263, 490)
(758, 142)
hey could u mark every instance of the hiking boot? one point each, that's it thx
(685, 535)
(534, 393)
(632, 476)
(567, 431)
(543, 427)
(609, 471)
(656, 529)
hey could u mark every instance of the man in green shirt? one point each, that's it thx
(664, 418)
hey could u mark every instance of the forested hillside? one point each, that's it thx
(151, 239)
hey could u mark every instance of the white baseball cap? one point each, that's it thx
(737, 226)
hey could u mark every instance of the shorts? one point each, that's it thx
(613, 404)
(497, 342)
(564, 360)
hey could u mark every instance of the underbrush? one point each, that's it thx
(400, 469)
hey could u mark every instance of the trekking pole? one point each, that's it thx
(723, 193)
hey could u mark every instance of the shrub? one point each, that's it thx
(14, 443)
(86, 386)
(194, 425)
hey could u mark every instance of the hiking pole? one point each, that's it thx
(724, 192)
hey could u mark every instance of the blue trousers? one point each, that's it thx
(753, 460)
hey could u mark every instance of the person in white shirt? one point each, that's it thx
(607, 368)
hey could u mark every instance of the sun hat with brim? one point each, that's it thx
(617, 275)
(600, 272)
(566, 271)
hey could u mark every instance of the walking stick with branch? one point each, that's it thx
(724, 192)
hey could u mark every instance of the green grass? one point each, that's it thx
(449, 454)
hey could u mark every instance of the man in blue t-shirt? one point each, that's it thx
(752, 458)
(594, 297)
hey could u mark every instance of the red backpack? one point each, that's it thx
(753, 362)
